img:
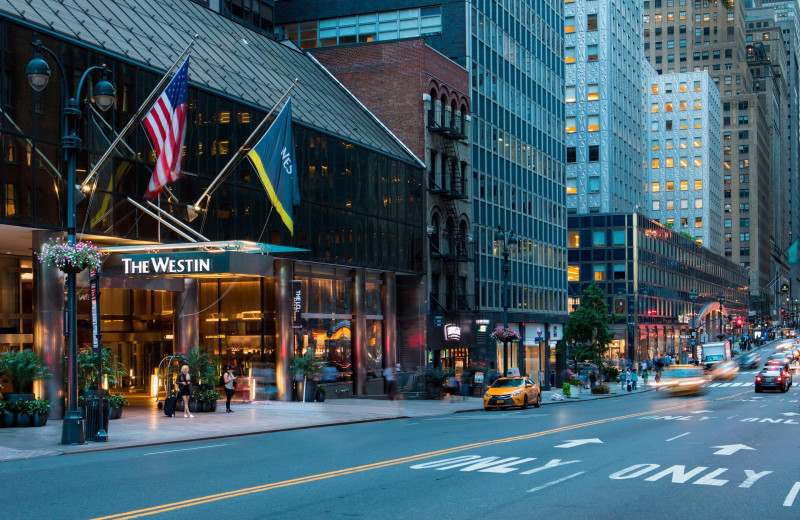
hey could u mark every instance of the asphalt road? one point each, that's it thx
(729, 453)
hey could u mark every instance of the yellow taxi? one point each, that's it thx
(682, 380)
(512, 391)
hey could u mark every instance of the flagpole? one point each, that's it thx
(239, 153)
(143, 108)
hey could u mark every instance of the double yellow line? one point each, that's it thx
(377, 465)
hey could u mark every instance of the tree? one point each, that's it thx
(587, 333)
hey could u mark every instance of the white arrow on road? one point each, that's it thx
(701, 411)
(578, 442)
(730, 449)
(790, 414)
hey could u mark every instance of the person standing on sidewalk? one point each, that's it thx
(465, 376)
(634, 377)
(184, 383)
(645, 376)
(628, 378)
(390, 376)
(230, 384)
(592, 379)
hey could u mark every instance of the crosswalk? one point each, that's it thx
(730, 385)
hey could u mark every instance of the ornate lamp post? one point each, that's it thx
(693, 342)
(38, 72)
(506, 243)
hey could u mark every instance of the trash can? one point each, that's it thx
(92, 421)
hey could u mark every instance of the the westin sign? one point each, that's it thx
(163, 264)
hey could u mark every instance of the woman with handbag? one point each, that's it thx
(185, 389)
(230, 384)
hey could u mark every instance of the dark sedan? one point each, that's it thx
(773, 377)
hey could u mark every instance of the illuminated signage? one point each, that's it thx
(297, 303)
(162, 264)
(452, 332)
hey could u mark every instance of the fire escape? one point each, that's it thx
(456, 248)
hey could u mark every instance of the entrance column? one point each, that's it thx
(284, 340)
(358, 354)
(48, 323)
(390, 321)
(186, 318)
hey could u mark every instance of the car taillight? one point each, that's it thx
(758, 378)
(780, 379)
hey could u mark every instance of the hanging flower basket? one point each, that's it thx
(505, 335)
(70, 259)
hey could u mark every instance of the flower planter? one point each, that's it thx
(69, 268)
(6, 420)
(213, 406)
(8, 396)
(320, 397)
(575, 391)
(39, 419)
(195, 407)
(116, 413)
(24, 420)
(206, 407)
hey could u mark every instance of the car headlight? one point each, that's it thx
(518, 392)
(487, 396)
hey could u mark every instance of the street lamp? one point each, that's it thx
(693, 341)
(720, 299)
(506, 242)
(38, 72)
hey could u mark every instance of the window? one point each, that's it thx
(592, 92)
(618, 237)
(698, 123)
(728, 237)
(698, 203)
(682, 105)
(727, 208)
(698, 184)
(668, 162)
(619, 271)
(670, 185)
(684, 185)
(569, 94)
(591, 22)
(698, 105)
(698, 161)
(656, 187)
(654, 108)
(569, 54)
(744, 251)
(570, 120)
(599, 238)
(698, 222)
(655, 144)
(656, 205)
(653, 164)
(743, 148)
(572, 186)
(744, 237)
(744, 178)
(572, 155)
(684, 124)
(727, 223)
(594, 184)
(569, 24)
(668, 106)
(667, 125)
(684, 205)
(668, 144)
(744, 222)
(654, 88)
(744, 120)
(698, 85)
(684, 162)
(744, 193)
(599, 272)
(591, 52)
(743, 105)
(744, 163)
(654, 126)
(670, 204)
(698, 143)
(744, 207)
(726, 136)
(594, 123)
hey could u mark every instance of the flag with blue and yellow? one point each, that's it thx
(273, 159)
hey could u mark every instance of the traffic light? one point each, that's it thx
(738, 322)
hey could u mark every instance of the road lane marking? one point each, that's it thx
(792, 495)
(679, 436)
(183, 449)
(578, 442)
(730, 449)
(377, 465)
(556, 481)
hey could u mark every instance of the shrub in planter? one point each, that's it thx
(565, 389)
(39, 409)
(117, 402)
(601, 389)
(209, 399)
(113, 371)
(610, 373)
(23, 413)
(22, 368)
(320, 396)
(6, 419)
(201, 365)
(576, 381)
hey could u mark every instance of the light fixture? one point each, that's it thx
(103, 93)
(38, 71)
(431, 230)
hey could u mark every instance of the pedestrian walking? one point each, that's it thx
(645, 375)
(464, 385)
(629, 378)
(390, 376)
(184, 383)
(452, 387)
(634, 378)
(230, 384)
(658, 379)
(592, 379)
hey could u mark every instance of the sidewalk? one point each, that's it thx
(144, 425)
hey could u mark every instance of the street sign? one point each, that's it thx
(685, 336)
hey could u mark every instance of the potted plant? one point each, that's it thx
(196, 401)
(210, 398)
(601, 389)
(201, 365)
(113, 370)
(117, 402)
(22, 409)
(39, 410)
(320, 395)
(435, 380)
(4, 422)
(307, 367)
(565, 389)
(22, 368)
(575, 384)
(70, 258)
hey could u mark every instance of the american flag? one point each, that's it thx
(166, 126)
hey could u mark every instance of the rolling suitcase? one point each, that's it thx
(169, 405)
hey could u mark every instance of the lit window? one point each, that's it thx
(570, 124)
(592, 92)
(569, 24)
(600, 272)
(698, 123)
(670, 204)
(684, 185)
(569, 95)
(594, 123)
(573, 272)
(574, 239)
(655, 145)
(654, 108)
(698, 161)
(654, 88)
(683, 105)
(572, 186)
(698, 143)
(654, 164)
(684, 162)
(697, 104)
(698, 184)
(668, 107)
(656, 187)
(668, 144)
(698, 203)
(670, 185)
(668, 161)
(656, 205)
(698, 222)
(684, 124)
(697, 85)
(569, 55)
(682, 87)
(684, 143)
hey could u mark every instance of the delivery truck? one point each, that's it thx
(714, 353)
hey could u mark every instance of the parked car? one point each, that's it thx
(774, 376)
(512, 391)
